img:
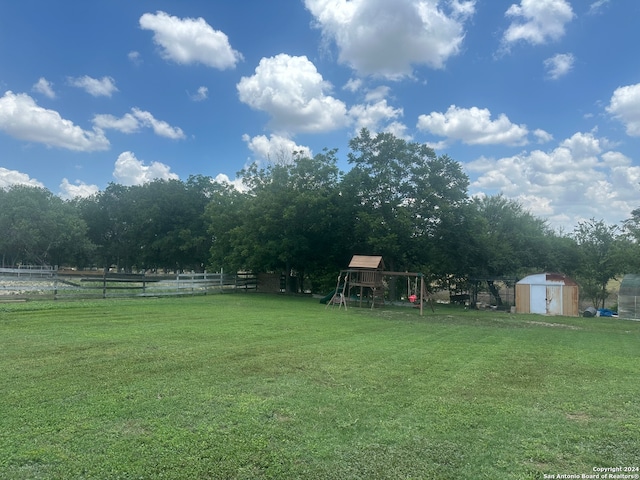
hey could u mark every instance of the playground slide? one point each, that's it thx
(328, 296)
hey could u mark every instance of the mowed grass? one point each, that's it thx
(270, 387)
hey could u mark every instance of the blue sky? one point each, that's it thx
(537, 99)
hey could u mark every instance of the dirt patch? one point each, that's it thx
(577, 416)
(554, 325)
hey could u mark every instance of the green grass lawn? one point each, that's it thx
(257, 387)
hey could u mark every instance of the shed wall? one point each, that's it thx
(523, 299)
(570, 301)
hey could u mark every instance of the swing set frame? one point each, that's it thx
(370, 281)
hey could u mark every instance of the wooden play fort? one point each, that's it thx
(363, 283)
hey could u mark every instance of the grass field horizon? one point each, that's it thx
(276, 387)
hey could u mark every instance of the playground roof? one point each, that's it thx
(367, 261)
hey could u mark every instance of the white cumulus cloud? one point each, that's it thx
(542, 135)
(537, 21)
(131, 171)
(292, 91)
(375, 116)
(596, 7)
(236, 183)
(22, 118)
(559, 65)
(80, 189)
(134, 121)
(389, 37)
(473, 126)
(125, 124)
(577, 180)
(97, 87)
(160, 127)
(274, 148)
(45, 87)
(201, 95)
(13, 177)
(190, 40)
(625, 106)
(134, 57)
(353, 85)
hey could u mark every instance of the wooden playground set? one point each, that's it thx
(362, 283)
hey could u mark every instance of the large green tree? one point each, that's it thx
(455, 247)
(224, 219)
(630, 241)
(157, 225)
(399, 191)
(284, 222)
(507, 241)
(169, 228)
(109, 216)
(513, 240)
(599, 247)
(40, 228)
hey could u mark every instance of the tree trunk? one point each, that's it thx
(495, 292)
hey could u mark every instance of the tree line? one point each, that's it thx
(305, 218)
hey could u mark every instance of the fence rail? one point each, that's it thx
(28, 271)
(28, 283)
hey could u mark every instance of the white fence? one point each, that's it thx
(29, 271)
(18, 283)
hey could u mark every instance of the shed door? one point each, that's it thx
(538, 299)
(554, 300)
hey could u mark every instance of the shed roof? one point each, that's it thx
(547, 279)
(630, 285)
(367, 261)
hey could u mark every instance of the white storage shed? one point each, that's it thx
(547, 294)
